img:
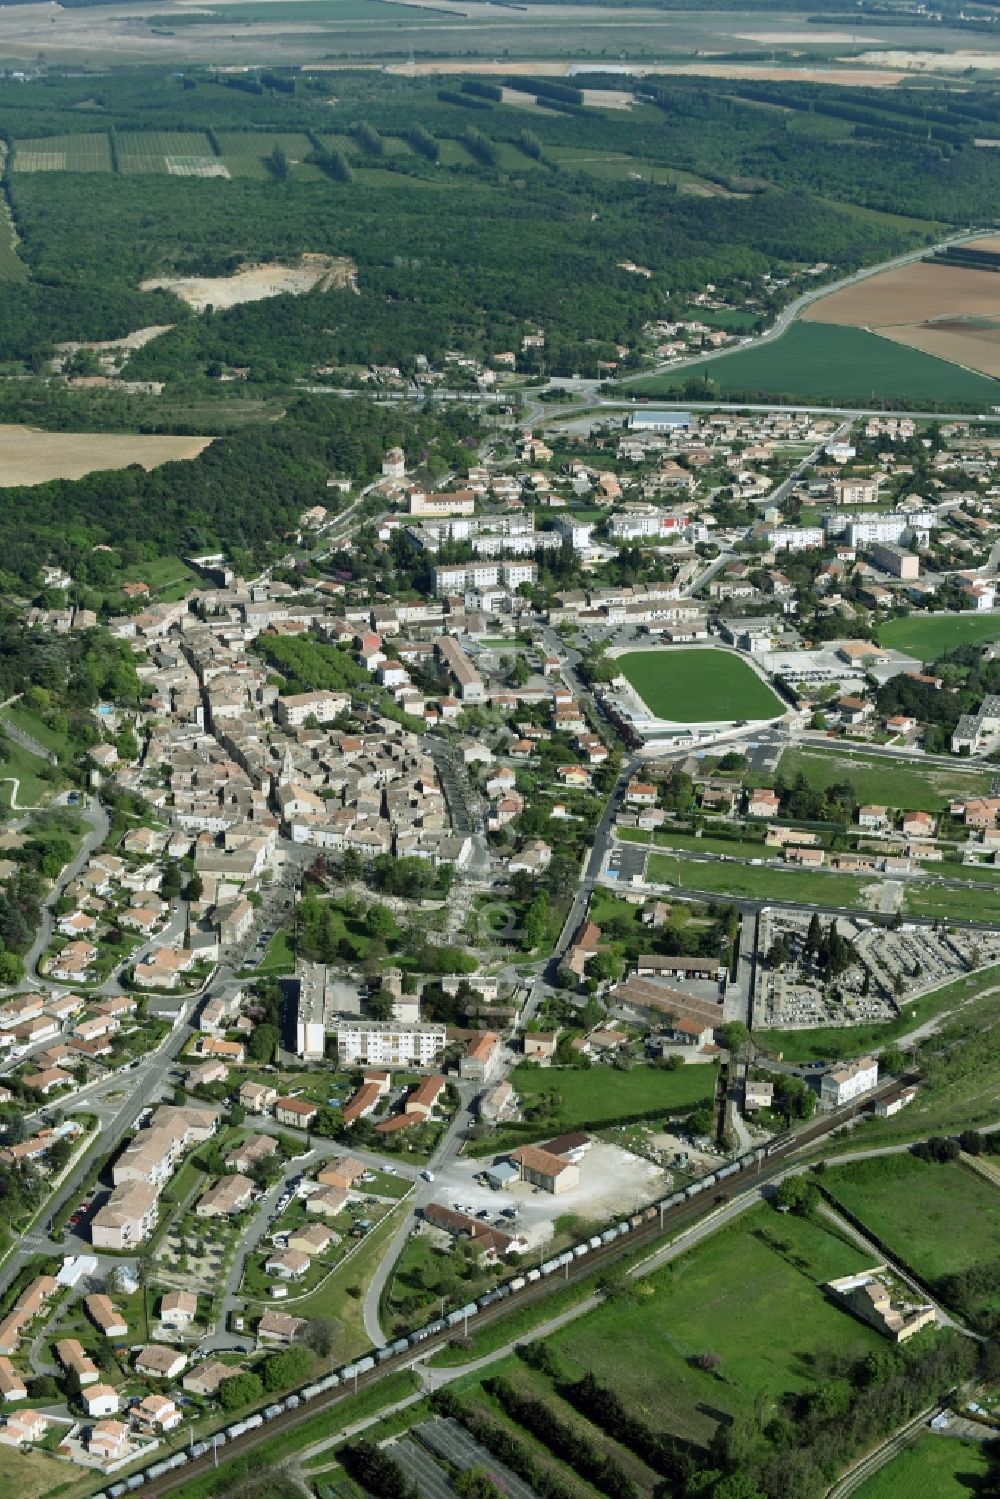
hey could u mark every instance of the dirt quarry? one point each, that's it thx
(29, 456)
(254, 283)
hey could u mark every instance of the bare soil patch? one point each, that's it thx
(847, 77)
(976, 348)
(30, 456)
(254, 283)
(911, 294)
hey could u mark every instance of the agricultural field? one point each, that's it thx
(694, 686)
(28, 456)
(928, 636)
(760, 1272)
(823, 362)
(882, 779)
(939, 1219)
(935, 1467)
(742, 881)
(245, 154)
(949, 311)
(90, 152)
(181, 153)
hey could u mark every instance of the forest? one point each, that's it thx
(397, 179)
(241, 493)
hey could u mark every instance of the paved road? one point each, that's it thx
(448, 1149)
(100, 825)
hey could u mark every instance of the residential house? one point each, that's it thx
(23, 1427)
(178, 1309)
(279, 1327)
(109, 1441)
(105, 1318)
(70, 1353)
(157, 1412)
(230, 1194)
(100, 1400)
(295, 1111)
(287, 1264)
(159, 1361)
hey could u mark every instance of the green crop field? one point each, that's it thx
(928, 636)
(752, 1293)
(743, 881)
(882, 780)
(939, 1220)
(821, 362)
(935, 1467)
(687, 686)
(64, 153)
(245, 153)
(186, 153)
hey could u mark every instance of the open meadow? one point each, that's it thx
(28, 456)
(753, 1295)
(940, 1220)
(745, 882)
(935, 1467)
(880, 779)
(928, 636)
(692, 686)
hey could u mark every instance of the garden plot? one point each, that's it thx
(64, 153)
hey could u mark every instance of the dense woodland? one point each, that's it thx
(433, 269)
(467, 248)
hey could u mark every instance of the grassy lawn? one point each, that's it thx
(31, 1475)
(954, 903)
(691, 686)
(592, 1097)
(336, 1299)
(884, 780)
(279, 957)
(31, 724)
(751, 1293)
(821, 361)
(940, 1220)
(823, 1043)
(22, 765)
(935, 1467)
(756, 884)
(928, 636)
(738, 848)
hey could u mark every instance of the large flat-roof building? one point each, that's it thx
(657, 420)
(310, 1012)
(387, 1043)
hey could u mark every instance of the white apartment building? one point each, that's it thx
(638, 521)
(295, 709)
(576, 532)
(795, 538)
(387, 1043)
(460, 577)
(842, 1084)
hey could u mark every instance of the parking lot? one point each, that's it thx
(626, 862)
(613, 1181)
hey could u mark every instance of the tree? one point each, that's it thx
(290, 1367)
(736, 1038)
(195, 888)
(321, 1335)
(261, 1043)
(242, 1389)
(797, 1194)
(380, 923)
(351, 865)
(710, 1362)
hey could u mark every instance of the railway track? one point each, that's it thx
(663, 1223)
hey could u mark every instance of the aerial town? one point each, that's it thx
(419, 901)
